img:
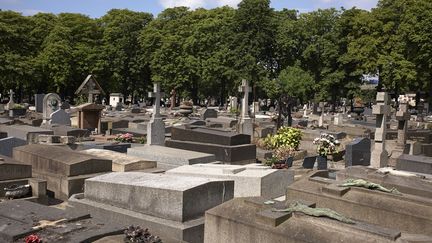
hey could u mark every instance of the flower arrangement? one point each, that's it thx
(326, 144)
(124, 138)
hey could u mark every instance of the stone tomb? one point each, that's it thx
(358, 152)
(171, 206)
(25, 132)
(405, 182)
(253, 220)
(228, 147)
(406, 212)
(64, 170)
(121, 162)
(89, 116)
(249, 181)
(170, 157)
(414, 163)
(7, 145)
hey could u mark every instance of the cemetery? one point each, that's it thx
(207, 125)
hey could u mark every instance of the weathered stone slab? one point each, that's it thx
(241, 221)
(62, 130)
(208, 113)
(410, 184)
(25, 132)
(165, 156)
(10, 170)
(414, 163)
(7, 145)
(249, 181)
(222, 122)
(116, 147)
(208, 135)
(121, 162)
(167, 196)
(358, 152)
(406, 212)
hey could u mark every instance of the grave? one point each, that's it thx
(25, 132)
(7, 145)
(120, 161)
(60, 117)
(227, 146)
(156, 126)
(171, 206)
(221, 122)
(338, 119)
(89, 116)
(358, 152)
(403, 212)
(414, 163)
(379, 157)
(253, 220)
(112, 146)
(64, 170)
(62, 130)
(11, 102)
(170, 157)
(51, 103)
(409, 183)
(246, 124)
(91, 88)
(39, 102)
(249, 180)
(208, 113)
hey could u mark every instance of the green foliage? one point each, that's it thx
(285, 137)
(17, 107)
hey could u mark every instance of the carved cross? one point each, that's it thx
(156, 94)
(245, 89)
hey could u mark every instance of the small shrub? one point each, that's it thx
(17, 107)
(285, 137)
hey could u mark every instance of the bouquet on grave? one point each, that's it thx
(124, 138)
(326, 144)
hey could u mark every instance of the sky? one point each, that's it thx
(97, 8)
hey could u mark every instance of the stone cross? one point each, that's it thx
(379, 156)
(156, 126)
(11, 102)
(245, 89)
(321, 118)
(11, 93)
(402, 116)
(156, 94)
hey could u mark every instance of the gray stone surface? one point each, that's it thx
(358, 152)
(209, 135)
(60, 117)
(10, 169)
(165, 156)
(121, 162)
(51, 103)
(208, 113)
(7, 145)
(39, 102)
(116, 147)
(25, 132)
(253, 180)
(222, 122)
(379, 157)
(156, 126)
(414, 163)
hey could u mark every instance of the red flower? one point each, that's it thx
(32, 239)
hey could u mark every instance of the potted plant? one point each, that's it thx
(326, 145)
(17, 110)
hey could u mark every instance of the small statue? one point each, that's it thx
(315, 212)
(368, 185)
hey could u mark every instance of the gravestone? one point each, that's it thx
(60, 117)
(7, 145)
(379, 156)
(91, 88)
(402, 116)
(64, 170)
(120, 161)
(249, 180)
(25, 132)
(172, 206)
(39, 102)
(358, 152)
(246, 125)
(11, 102)
(321, 118)
(51, 103)
(338, 119)
(208, 113)
(233, 103)
(156, 126)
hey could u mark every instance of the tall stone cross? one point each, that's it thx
(402, 116)
(11, 102)
(379, 156)
(11, 93)
(156, 126)
(156, 94)
(245, 89)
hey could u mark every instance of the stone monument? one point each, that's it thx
(156, 127)
(246, 126)
(51, 103)
(402, 116)
(11, 102)
(379, 156)
(90, 87)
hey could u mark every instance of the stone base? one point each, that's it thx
(189, 231)
(165, 156)
(246, 126)
(156, 132)
(379, 157)
(224, 153)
